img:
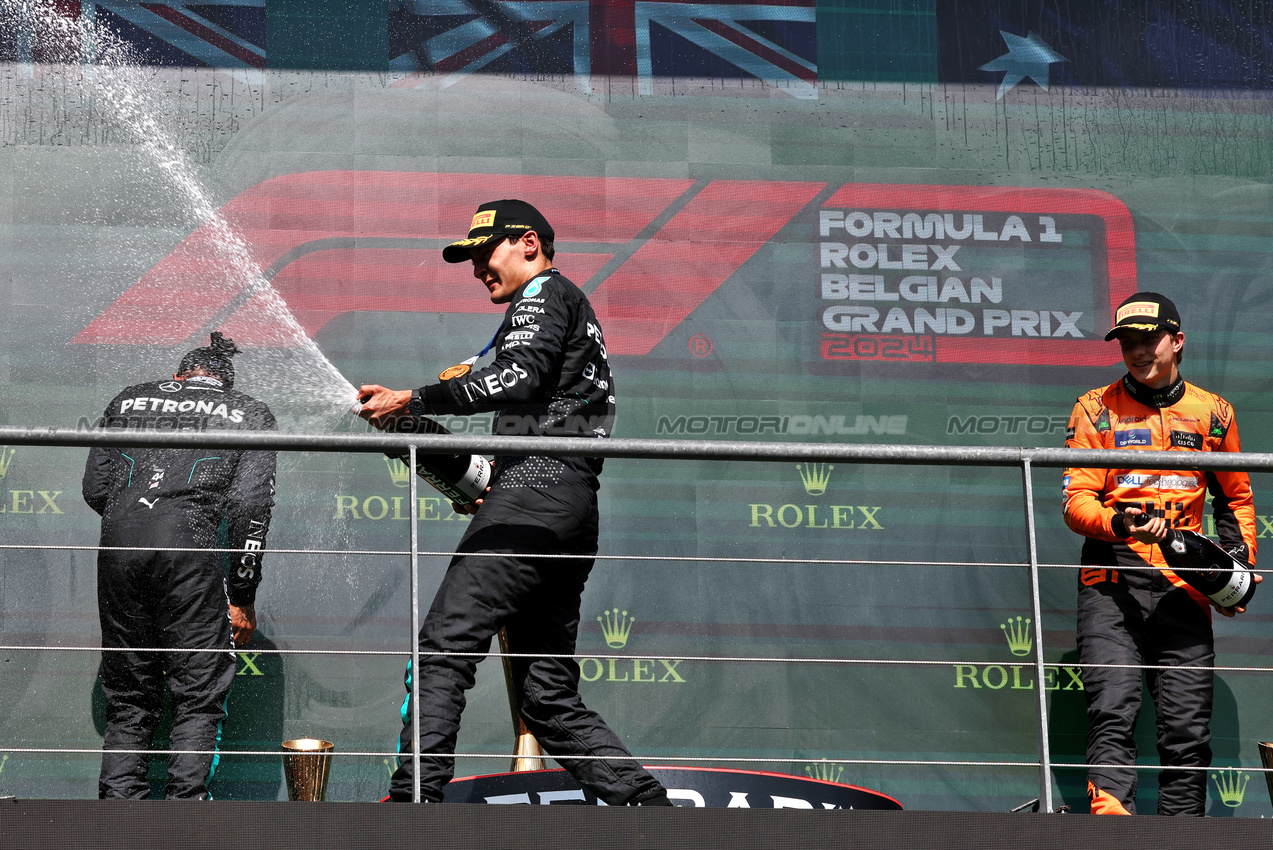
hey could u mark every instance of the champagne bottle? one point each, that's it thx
(1207, 567)
(461, 478)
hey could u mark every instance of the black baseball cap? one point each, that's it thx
(495, 220)
(1145, 311)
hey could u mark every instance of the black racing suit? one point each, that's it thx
(174, 498)
(549, 376)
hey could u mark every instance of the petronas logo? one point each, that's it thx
(1231, 784)
(825, 771)
(6, 458)
(615, 627)
(815, 477)
(398, 472)
(1018, 635)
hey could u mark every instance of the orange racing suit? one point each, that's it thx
(1132, 610)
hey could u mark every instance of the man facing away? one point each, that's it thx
(549, 377)
(176, 498)
(1132, 610)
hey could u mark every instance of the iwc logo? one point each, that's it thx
(616, 628)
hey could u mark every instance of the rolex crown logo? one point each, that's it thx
(615, 627)
(398, 472)
(825, 771)
(1232, 786)
(815, 477)
(6, 458)
(1018, 635)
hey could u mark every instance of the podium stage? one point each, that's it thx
(41, 824)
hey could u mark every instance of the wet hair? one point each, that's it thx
(215, 358)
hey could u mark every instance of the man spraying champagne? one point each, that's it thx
(550, 376)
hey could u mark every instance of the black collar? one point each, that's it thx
(1151, 397)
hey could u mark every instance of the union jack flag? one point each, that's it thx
(774, 41)
(216, 33)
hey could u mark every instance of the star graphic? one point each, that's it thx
(1026, 57)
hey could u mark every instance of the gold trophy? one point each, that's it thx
(1266, 758)
(306, 765)
(527, 754)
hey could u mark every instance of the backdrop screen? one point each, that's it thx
(788, 230)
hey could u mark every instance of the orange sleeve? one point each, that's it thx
(1083, 489)
(1234, 505)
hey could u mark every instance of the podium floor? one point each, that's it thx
(95, 824)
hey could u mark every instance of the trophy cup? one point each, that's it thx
(306, 765)
(527, 754)
(1266, 759)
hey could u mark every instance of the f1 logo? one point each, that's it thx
(309, 234)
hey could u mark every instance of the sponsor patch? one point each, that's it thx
(1186, 440)
(1137, 308)
(1132, 437)
(485, 218)
(1149, 481)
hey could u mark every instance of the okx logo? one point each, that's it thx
(1018, 676)
(616, 629)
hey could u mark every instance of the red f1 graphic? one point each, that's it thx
(648, 252)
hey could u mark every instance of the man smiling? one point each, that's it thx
(1132, 610)
(523, 561)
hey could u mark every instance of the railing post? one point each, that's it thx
(1045, 755)
(415, 626)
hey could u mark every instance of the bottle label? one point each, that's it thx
(1233, 591)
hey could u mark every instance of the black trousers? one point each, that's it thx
(1140, 618)
(537, 601)
(162, 600)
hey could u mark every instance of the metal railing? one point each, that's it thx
(1025, 459)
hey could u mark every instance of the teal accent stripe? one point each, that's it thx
(196, 463)
(402, 712)
(216, 745)
(132, 464)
